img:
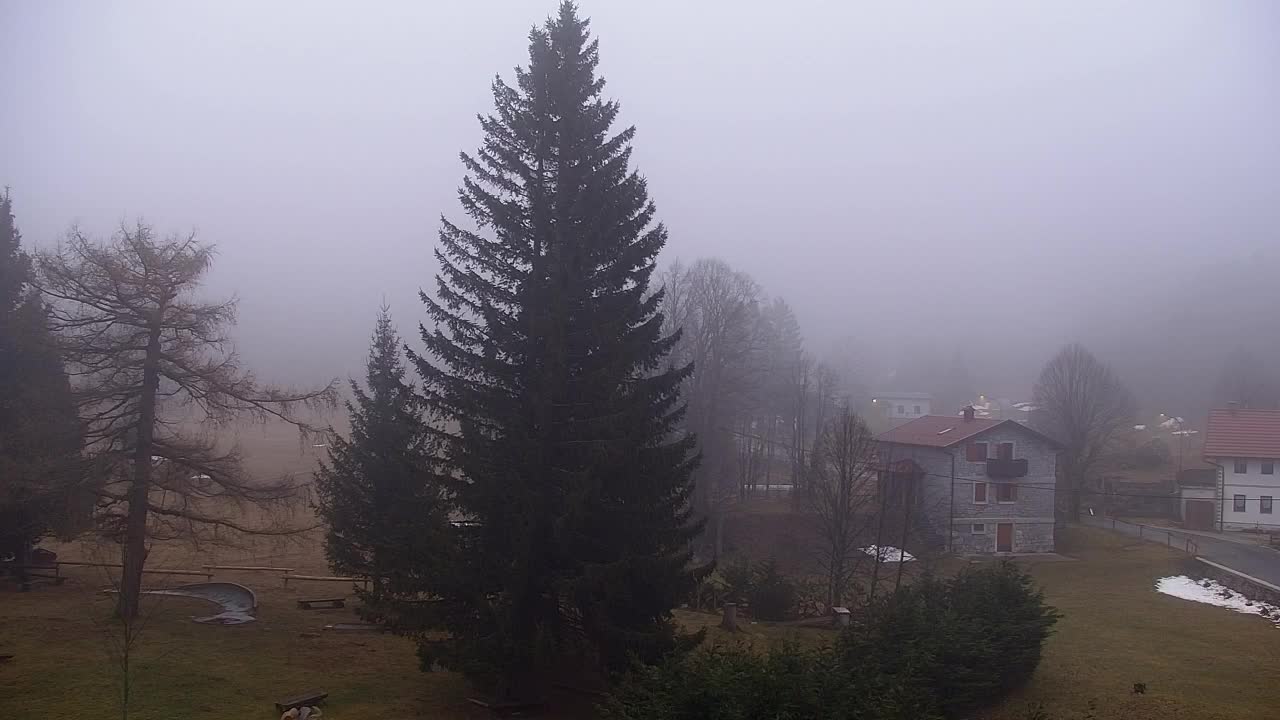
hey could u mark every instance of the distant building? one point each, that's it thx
(1244, 446)
(984, 485)
(902, 405)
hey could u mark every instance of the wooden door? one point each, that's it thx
(1004, 537)
(1199, 515)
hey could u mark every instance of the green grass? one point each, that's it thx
(1197, 661)
(62, 668)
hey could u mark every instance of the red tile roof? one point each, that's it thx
(1243, 433)
(947, 430)
(937, 430)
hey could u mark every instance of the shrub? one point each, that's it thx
(772, 595)
(968, 641)
(734, 683)
(935, 649)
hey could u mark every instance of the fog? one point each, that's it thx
(994, 179)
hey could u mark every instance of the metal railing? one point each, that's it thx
(1151, 533)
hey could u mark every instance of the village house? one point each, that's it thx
(979, 485)
(898, 406)
(1244, 445)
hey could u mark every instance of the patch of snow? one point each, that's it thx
(201, 476)
(1184, 432)
(1210, 592)
(888, 553)
(1139, 427)
(1027, 407)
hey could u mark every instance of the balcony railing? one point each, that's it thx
(1006, 469)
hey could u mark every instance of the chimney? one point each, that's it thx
(968, 413)
(1232, 406)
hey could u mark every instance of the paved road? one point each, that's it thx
(1260, 562)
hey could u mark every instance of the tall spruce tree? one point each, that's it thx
(376, 491)
(39, 431)
(547, 364)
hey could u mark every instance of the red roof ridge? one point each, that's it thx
(942, 431)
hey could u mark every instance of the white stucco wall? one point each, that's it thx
(1253, 485)
(903, 408)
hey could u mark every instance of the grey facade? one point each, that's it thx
(960, 506)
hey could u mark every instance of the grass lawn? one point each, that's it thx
(1197, 661)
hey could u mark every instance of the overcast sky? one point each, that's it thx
(953, 174)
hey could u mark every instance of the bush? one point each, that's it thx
(936, 649)
(772, 595)
(968, 641)
(735, 683)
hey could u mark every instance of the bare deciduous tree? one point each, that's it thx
(1082, 403)
(717, 308)
(154, 374)
(843, 497)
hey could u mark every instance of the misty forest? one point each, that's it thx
(880, 363)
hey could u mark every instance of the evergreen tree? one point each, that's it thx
(548, 367)
(375, 490)
(39, 432)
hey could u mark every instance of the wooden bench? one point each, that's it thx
(305, 699)
(323, 578)
(322, 603)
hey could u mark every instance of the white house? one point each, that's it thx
(902, 405)
(1244, 445)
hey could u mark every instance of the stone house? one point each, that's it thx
(979, 485)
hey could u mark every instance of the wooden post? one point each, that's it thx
(730, 620)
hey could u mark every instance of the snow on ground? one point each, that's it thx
(1185, 432)
(1213, 593)
(888, 553)
(1139, 427)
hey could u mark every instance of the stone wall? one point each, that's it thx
(948, 507)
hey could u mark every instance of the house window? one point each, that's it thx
(1004, 451)
(1006, 492)
(1269, 467)
(976, 452)
(1264, 506)
(1242, 467)
(979, 529)
(1237, 503)
(902, 410)
(980, 492)
(917, 410)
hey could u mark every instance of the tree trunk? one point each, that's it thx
(135, 541)
(719, 549)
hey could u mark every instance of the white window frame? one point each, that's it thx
(1267, 464)
(996, 446)
(1235, 467)
(1242, 500)
(1265, 504)
(986, 492)
(974, 528)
